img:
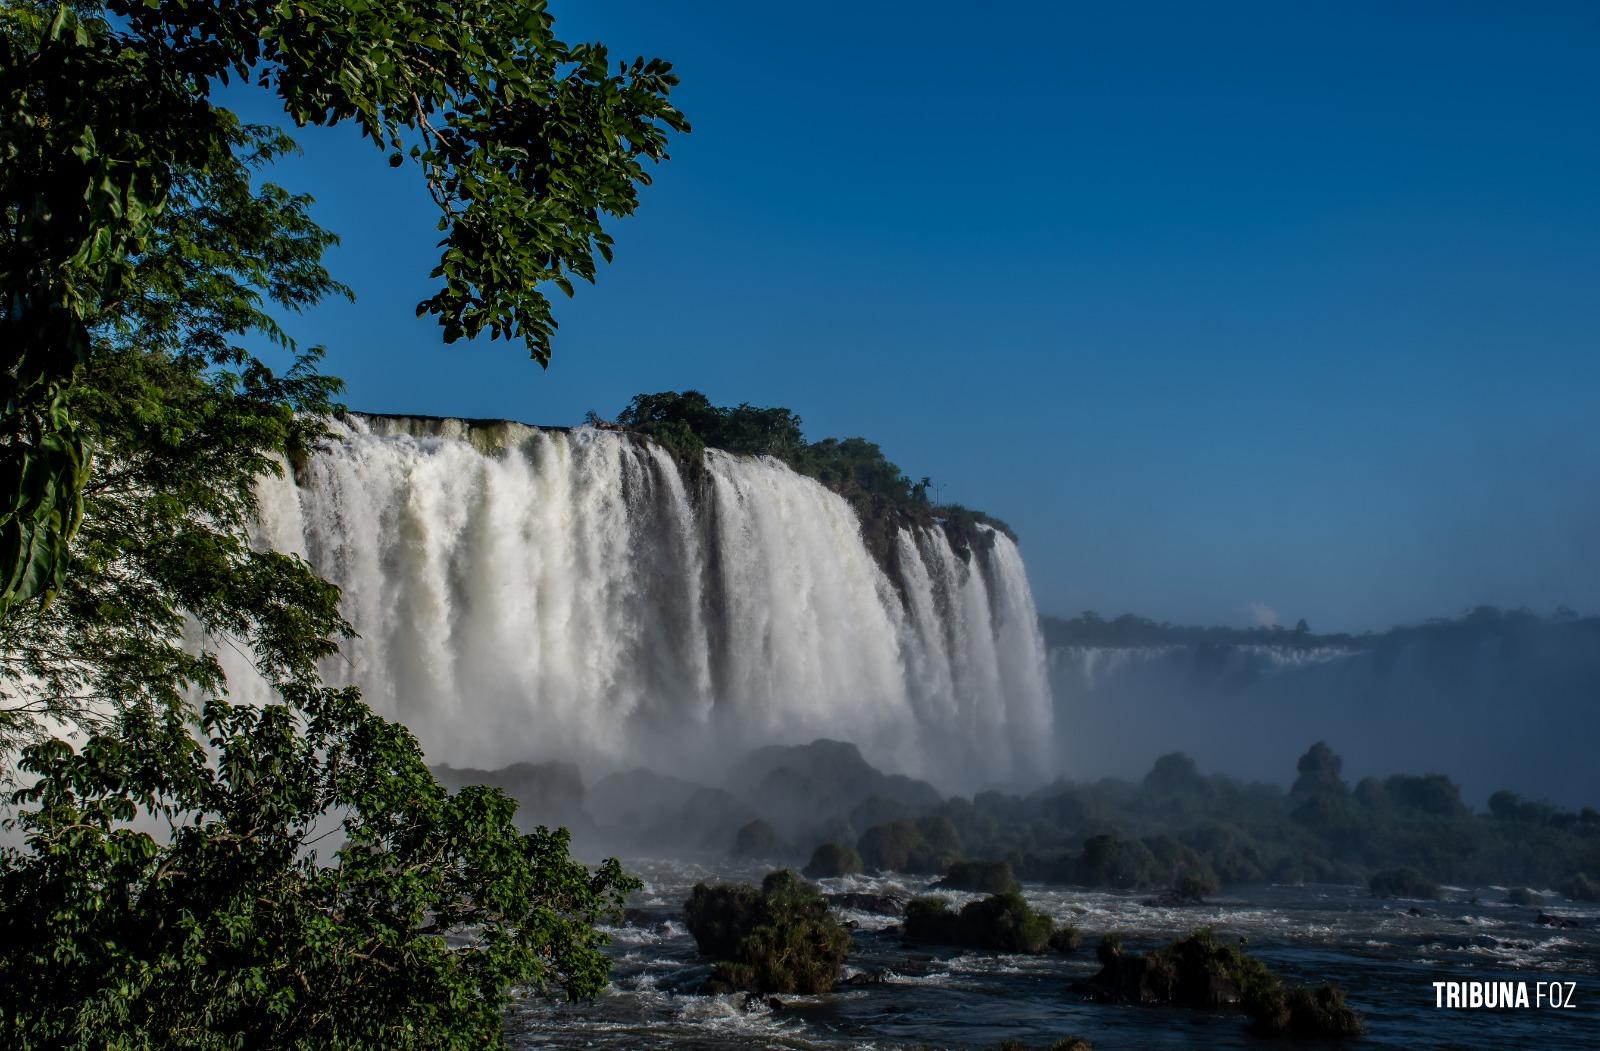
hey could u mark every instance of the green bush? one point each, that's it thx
(831, 859)
(1582, 888)
(981, 877)
(999, 923)
(929, 919)
(1193, 888)
(1066, 940)
(780, 939)
(1201, 971)
(755, 840)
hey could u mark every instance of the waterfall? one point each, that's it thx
(523, 593)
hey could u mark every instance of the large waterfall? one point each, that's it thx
(523, 593)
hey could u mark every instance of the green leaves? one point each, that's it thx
(313, 886)
(229, 933)
(526, 144)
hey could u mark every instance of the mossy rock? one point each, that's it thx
(779, 939)
(981, 877)
(832, 859)
(1524, 896)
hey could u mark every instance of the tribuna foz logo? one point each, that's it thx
(1504, 994)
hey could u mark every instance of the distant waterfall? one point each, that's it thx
(533, 594)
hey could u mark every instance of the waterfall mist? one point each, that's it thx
(531, 594)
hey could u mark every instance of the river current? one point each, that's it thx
(1385, 958)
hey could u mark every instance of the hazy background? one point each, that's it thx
(1265, 313)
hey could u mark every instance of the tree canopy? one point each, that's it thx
(525, 143)
(196, 871)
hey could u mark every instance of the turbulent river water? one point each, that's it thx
(1385, 958)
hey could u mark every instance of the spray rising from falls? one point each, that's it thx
(533, 594)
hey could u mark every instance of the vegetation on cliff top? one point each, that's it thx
(687, 423)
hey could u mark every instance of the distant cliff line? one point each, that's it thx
(1130, 631)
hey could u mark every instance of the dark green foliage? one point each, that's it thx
(1175, 773)
(981, 877)
(1429, 794)
(1523, 896)
(1194, 887)
(1581, 888)
(831, 859)
(687, 423)
(1402, 882)
(999, 923)
(1319, 771)
(1066, 940)
(143, 255)
(906, 846)
(1108, 861)
(1303, 1012)
(1145, 837)
(780, 939)
(721, 916)
(756, 839)
(930, 919)
(1201, 971)
(525, 143)
(232, 934)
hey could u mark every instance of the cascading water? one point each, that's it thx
(522, 593)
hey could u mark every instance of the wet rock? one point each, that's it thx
(1568, 923)
(873, 977)
(880, 904)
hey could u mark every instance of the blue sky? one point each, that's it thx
(1250, 304)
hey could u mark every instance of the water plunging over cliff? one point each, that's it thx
(523, 593)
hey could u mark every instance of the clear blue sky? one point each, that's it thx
(1243, 304)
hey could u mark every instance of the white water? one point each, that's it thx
(529, 594)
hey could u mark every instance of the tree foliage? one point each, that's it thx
(526, 144)
(885, 499)
(197, 872)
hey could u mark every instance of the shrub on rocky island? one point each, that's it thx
(1193, 888)
(1201, 971)
(999, 923)
(1581, 888)
(1066, 940)
(758, 839)
(831, 859)
(780, 939)
(980, 877)
(1403, 882)
(927, 845)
